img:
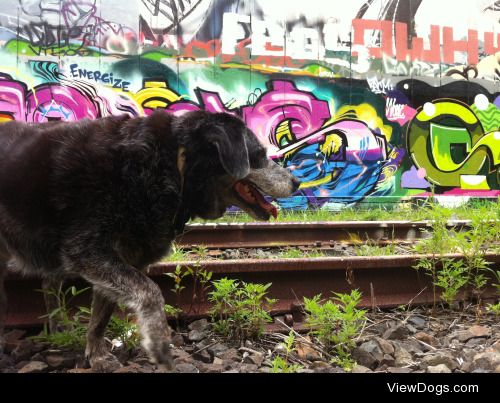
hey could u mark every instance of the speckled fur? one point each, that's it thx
(102, 199)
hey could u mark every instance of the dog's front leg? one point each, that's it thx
(122, 283)
(96, 352)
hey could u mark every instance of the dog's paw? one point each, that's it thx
(105, 363)
(160, 355)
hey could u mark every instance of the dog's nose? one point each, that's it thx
(295, 183)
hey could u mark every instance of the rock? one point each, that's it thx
(487, 360)
(186, 369)
(373, 348)
(39, 346)
(402, 357)
(255, 359)
(417, 321)
(203, 356)
(398, 370)
(12, 339)
(133, 369)
(60, 360)
(397, 332)
(177, 354)
(34, 367)
(6, 361)
(210, 368)
(319, 365)
(385, 346)
(438, 369)
(480, 331)
(217, 349)
(472, 332)
(37, 357)
(364, 357)
(475, 342)
(497, 370)
(218, 361)
(299, 371)
(360, 369)
(230, 354)
(388, 360)
(21, 364)
(201, 325)
(435, 359)
(427, 339)
(230, 364)
(305, 351)
(178, 340)
(496, 345)
(196, 335)
(231, 371)
(248, 368)
(80, 371)
(23, 351)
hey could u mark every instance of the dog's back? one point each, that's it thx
(44, 169)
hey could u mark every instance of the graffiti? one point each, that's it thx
(361, 100)
(393, 110)
(462, 154)
(69, 28)
(379, 86)
(96, 75)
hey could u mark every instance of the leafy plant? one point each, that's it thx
(281, 364)
(438, 242)
(371, 248)
(296, 253)
(494, 308)
(201, 283)
(239, 309)
(123, 329)
(176, 254)
(336, 323)
(451, 278)
(72, 323)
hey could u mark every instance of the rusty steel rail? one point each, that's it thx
(385, 281)
(255, 235)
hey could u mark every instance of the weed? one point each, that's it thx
(201, 279)
(371, 248)
(177, 254)
(239, 309)
(437, 243)
(72, 323)
(494, 308)
(336, 323)
(123, 330)
(451, 278)
(282, 364)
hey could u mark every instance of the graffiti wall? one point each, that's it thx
(364, 101)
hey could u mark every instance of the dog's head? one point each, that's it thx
(226, 165)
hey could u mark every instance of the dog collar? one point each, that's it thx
(181, 162)
(182, 215)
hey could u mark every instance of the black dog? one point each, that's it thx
(102, 199)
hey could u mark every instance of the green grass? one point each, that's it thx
(379, 213)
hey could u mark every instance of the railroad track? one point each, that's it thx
(385, 281)
(258, 235)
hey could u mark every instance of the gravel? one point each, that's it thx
(392, 342)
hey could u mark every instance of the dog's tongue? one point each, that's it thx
(252, 196)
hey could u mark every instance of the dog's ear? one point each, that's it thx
(232, 149)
